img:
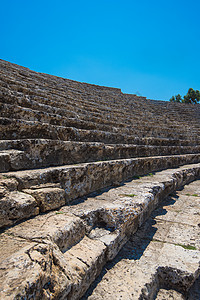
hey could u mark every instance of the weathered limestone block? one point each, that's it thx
(63, 229)
(113, 240)
(7, 185)
(48, 198)
(169, 294)
(51, 271)
(17, 159)
(17, 206)
(83, 262)
(28, 273)
(82, 179)
(4, 161)
(108, 172)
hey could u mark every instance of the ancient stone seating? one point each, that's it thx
(82, 167)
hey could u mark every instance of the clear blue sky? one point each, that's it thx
(147, 47)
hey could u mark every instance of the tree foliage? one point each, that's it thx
(192, 96)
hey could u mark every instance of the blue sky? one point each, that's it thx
(146, 47)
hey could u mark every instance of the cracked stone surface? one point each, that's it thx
(58, 255)
(50, 188)
(48, 198)
(169, 295)
(16, 206)
(161, 260)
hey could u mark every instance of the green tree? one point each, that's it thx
(192, 96)
(172, 99)
(177, 98)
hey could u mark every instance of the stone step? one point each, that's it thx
(128, 120)
(59, 93)
(77, 107)
(85, 99)
(147, 104)
(161, 260)
(46, 100)
(148, 141)
(25, 114)
(145, 143)
(25, 84)
(72, 182)
(47, 198)
(81, 92)
(38, 153)
(18, 112)
(63, 84)
(28, 114)
(22, 129)
(53, 83)
(11, 159)
(80, 88)
(17, 128)
(59, 254)
(24, 101)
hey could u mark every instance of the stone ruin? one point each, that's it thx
(99, 192)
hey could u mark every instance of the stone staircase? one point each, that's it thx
(160, 260)
(82, 168)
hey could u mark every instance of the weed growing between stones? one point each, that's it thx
(127, 195)
(188, 247)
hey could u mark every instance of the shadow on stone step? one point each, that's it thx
(138, 242)
(194, 291)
